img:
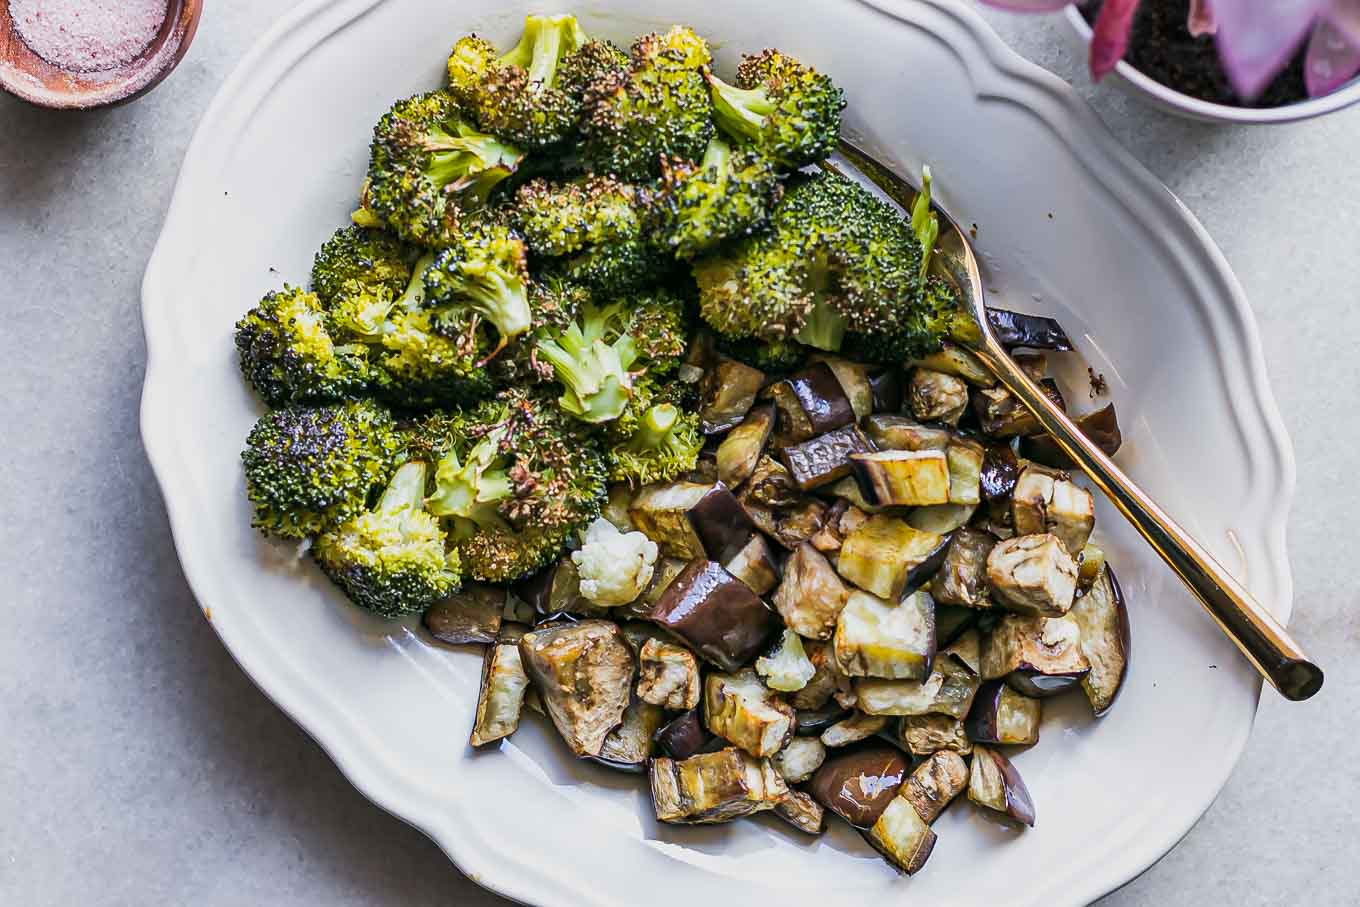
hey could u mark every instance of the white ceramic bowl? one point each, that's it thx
(1173, 101)
(1068, 224)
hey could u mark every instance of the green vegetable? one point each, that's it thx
(664, 444)
(391, 560)
(484, 270)
(355, 258)
(726, 195)
(788, 111)
(658, 106)
(309, 468)
(289, 353)
(430, 171)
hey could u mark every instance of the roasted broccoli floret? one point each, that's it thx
(658, 106)
(519, 96)
(664, 443)
(728, 194)
(934, 317)
(591, 61)
(310, 468)
(430, 170)
(355, 258)
(596, 356)
(514, 478)
(485, 271)
(788, 111)
(289, 353)
(835, 259)
(391, 560)
(775, 356)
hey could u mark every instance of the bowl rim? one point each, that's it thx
(365, 761)
(1176, 101)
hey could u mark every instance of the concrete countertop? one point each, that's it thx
(139, 766)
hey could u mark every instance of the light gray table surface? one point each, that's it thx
(140, 766)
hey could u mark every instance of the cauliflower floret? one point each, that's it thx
(614, 566)
(787, 668)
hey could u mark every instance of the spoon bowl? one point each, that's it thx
(28, 76)
(1255, 631)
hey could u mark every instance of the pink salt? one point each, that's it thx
(87, 35)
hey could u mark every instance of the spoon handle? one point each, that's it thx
(1258, 634)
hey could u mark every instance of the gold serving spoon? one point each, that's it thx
(1256, 632)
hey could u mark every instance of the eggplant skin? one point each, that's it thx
(717, 614)
(1015, 329)
(584, 673)
(743, 711)
(1000, 471)
(902, 837)
(1102, 617)
(934, 783)
(823, 459)
(1001, 715)
(994, 783)
(1101, 426)
(500, 699)
(858, 785)
(684, 736)
(471, 615)
(811, 402)
(714, 787)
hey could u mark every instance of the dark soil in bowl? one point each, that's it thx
(1162, 48)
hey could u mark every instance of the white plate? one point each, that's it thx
(1068, 225)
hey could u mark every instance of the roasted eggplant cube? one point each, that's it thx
(786, 666)
(953, 359)
(755, 565)
(936, 397)
(1048, 501)
(965, 471)
(584, 673)
(1001, 715)
(1037, 656)
(1000, 472)
(811, 595)
(1101, 426)
(629, 746)
(889, 431)
(689, 520)
(1002, 415)
(934, 783)
(994, 783)
(902, 478)
(1102, 619)
(743, 711)
(718, 615)
(1014, 329)
(886, 556)
(684, 736)
(876, 638)
(799, 758)
(727, 393)
(949, 690)
(714, 787)
(802, 812)
(859, 784)
(825, 458)
(471, 615)
(941, 519)
(854, 380)
(902, 837)
(885, 386)
(922, 735)
(811, 402)
(500, 699)
(1032, 574)
(668, 675)
(557, 590)
(740, 450)
(852, 729)
(962, 579)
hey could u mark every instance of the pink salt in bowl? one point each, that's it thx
(123, 74)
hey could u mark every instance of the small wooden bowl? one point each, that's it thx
(26, 75)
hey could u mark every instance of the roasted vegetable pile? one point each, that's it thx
(608, 377)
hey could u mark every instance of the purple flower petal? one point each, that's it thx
(1332, 60)
(1028, 6)
(1110, 36)
(1256, 38)
(1201, 21)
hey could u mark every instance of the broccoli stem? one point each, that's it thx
(502, 302)
(471, 161)
(546, 40)
(740, 111)
(655, 427)
(406, 491)
(470, 492)
(925, 223)
(716, 155)
(824, 328)
(597, 382)
(414, 298)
